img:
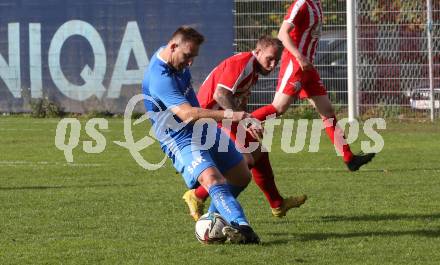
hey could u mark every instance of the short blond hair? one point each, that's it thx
(266, 41)
(187, 33)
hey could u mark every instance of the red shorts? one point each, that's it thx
(293, 81)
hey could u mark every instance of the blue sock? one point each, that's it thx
(224, 203)
(235, 190)
(212, 208)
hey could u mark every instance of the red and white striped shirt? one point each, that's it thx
(237, 74)
(306, 16)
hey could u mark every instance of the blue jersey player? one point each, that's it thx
(174, 112)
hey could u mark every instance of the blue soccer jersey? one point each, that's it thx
(166, 88)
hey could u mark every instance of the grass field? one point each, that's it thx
(105, 209)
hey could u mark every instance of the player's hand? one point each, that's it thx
(254, 127)
(305, 63)
(256, 130)
(238, 116)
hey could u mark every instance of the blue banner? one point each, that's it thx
(91, 55)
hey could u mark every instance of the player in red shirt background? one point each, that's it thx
(300, 33)
(228, 86)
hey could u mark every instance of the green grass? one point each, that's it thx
(105, 209)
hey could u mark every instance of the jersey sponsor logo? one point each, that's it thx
(297, 86)
(195, 163)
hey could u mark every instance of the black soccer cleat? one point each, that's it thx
(359, 160)
(240, 234)
(250, 236)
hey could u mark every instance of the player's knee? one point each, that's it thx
(245, 179)
(327, 112)
(242, 180)
(245, 174)
(281, 107)
(211, 177)
(281, 102)
(239, 175)
(249, 160)
(331, 111)
(248, 177)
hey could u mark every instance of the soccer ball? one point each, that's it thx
(209, 228)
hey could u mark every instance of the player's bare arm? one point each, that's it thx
(188, 113)
(283, 36)
(225, 99)
(243, 104)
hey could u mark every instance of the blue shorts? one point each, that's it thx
(191, 162)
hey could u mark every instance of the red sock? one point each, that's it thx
(201, 193)
(341, 145)
(264, 178)
(261, 113)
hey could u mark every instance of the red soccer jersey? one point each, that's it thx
(237, 74)
(306, 16)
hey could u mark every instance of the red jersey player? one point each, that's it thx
(300, 33)
(229, 86)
